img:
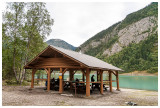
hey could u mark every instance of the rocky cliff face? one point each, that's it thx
(131, 44)
(135, 28)
(133, 33)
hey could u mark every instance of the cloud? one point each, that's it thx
(77, 22)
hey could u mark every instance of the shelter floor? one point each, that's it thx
(23, 96)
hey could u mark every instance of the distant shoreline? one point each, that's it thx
(140, 73)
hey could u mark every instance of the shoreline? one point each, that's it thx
(140, 73)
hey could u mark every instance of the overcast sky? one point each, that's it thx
(77, 22)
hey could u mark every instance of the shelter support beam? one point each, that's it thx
(32, 81)
(48, 82)
(83, 77)
(87, 82)
(83, 74)
(117, 80)
(101, 76)
(61, 83)
(71, 78)
(97, 75)
(110, 81)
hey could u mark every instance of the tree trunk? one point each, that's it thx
(25, 62)
(22, 78)
(14, 62)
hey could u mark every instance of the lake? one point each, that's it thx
(132, 82)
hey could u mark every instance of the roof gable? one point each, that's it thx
(88, 60)
(83, 59)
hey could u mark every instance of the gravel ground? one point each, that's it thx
(23, 96)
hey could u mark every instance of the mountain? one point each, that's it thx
(131, 44)
(60, 43)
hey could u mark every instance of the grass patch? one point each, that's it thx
(14, 83)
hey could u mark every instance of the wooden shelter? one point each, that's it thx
(55, 58)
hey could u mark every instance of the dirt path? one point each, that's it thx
(22, 96)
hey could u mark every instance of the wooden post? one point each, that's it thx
(101, 73)
(83, 77)
(60, 82)
(97, 75)
(117, 80)
(71, 78)
(32, 81)
(88, 82)
(75, 89)
(49, 77)
(110, 81)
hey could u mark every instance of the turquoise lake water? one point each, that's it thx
(133, 82)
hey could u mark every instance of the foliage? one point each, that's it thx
(142, 56)
(24, 28)
(153, 70)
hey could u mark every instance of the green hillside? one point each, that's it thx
(150, 10)
(136, 56)
(142, 56)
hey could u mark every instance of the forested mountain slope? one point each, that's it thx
(131, 44)
(60, 43)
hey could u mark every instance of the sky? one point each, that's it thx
(77, 22)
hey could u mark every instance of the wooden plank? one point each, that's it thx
(64, 70)
(46, 70)
(94, 82)
(109, 81)
(72, 67)
(55, 62)
(87, 82)
(114, 73)
(41, 79)
(70, 57)
(52, 66)
(75, 72)
(82, 82)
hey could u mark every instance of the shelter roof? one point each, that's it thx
(86, 60)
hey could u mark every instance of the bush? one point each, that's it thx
(11, 82)
(153, 70)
